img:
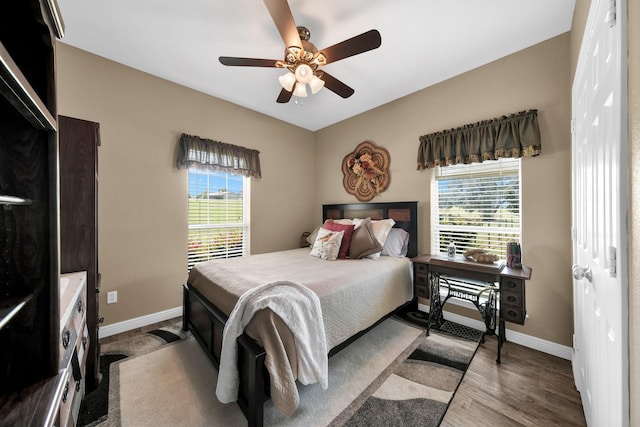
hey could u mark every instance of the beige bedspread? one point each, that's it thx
(353, 295)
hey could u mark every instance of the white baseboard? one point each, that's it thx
(535, 343)
(139, 322)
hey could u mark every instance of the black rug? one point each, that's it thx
(420, 318)
(95, 405)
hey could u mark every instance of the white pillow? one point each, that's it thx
(327, 244)
(311, 238)
(397, 243)
(381, 229)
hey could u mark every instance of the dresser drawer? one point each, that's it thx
(421, 280)
(68, 340)
(510, 285)
(512, 314)
(71, 400)
(420, 268)
(511, 298)
(421, 291)
(512, 301)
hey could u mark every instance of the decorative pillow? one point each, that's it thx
(312, 237)
(397, 243)
(327, 244)
(363, 242)
(344, 221)
(381, 229)
(346, 239)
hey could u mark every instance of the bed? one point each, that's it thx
(379, 286)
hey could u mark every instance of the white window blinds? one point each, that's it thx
(476, 206)
(218, 224)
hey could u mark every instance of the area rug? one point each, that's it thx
(416, 389)
(369, 380)
(94, 406)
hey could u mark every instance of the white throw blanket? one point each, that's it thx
(299, 308)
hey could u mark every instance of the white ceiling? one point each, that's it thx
(423, 42)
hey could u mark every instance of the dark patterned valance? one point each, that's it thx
(194, 151)
(516, 135)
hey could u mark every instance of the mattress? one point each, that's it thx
(353, 294)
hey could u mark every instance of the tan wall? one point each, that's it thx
(634, 207)
(580, 15)
(537, 77)
(143, 198)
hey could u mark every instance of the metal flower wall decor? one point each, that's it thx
(366, 171)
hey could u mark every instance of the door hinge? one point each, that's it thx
(611, 14)
(612, 260)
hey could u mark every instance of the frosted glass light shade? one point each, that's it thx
(316, 84)
(287, 81)
(304, 73)
(300, 90)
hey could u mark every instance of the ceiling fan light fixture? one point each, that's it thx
(304, 73)
(287, 81)
(316, 84)
(300, 90)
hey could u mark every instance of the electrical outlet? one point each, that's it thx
(112, 297)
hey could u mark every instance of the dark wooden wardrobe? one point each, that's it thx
(31, 382)
(48, 226)
(79, 141)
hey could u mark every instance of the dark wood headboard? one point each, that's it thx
(405, 214)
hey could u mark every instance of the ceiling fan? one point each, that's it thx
(302, 59)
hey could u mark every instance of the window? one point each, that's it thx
(218, 215)
(476, 206)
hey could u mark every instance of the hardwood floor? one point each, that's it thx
(529, 388)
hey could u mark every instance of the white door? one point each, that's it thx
(599, 170)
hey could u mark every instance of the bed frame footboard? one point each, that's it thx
(206, 323)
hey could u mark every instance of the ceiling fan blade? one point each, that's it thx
(336, 86)
(282, 17)
(247, 62)
(284, 96)
(353, 46)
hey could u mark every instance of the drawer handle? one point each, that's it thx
(511, 298)
(421, 279)
(66, 337)
(84, 342)
(65, 393)
(513, 313)
(422, 268)
(511, 285)
(78, 385)
(80, 305)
